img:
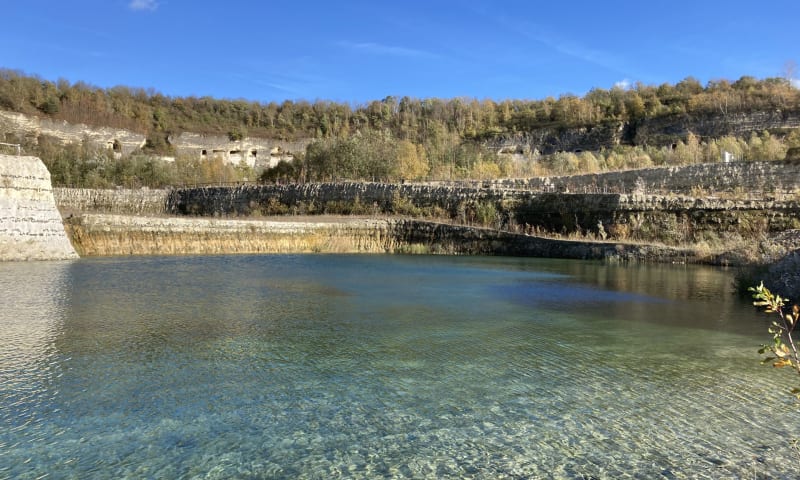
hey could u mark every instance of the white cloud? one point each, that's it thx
(623, 84)
(378, 49)
(795, 82)
(139, 5)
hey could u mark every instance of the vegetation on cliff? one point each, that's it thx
(379, 157)
(82, 165)
(417, 120)
(391, 139)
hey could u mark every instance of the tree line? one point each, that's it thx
(417, 120)
(386, 140)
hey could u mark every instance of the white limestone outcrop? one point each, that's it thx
(30, 225)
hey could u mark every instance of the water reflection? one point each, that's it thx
(31, 321)
(157, 303)
(702, 297)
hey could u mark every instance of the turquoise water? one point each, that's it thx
(384, 367)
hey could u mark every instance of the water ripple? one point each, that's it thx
(388, 367)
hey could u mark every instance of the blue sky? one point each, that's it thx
(357, 51)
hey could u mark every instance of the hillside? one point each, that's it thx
(393, 139)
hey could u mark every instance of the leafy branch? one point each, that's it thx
(782, 352)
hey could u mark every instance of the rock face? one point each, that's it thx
(25, 126)
(637, 216)
(255, 152)
(548, 140)
(773, 177)
(669, 129)
(658, 131)
(783, 277)
(711, 206)
(30, 225)
(762, 179)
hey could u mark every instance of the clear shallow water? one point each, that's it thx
(384, 367)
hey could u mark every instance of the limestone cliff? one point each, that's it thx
(657, 131)
(31, 127)
(30, 225)
(255, 152)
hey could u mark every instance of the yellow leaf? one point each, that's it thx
(782, 363)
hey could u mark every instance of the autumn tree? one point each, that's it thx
(411, 161)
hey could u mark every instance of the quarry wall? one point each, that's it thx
(689, 211)
(776, 180)
(742, 177)
(658, 131)
(526, 207)
(119, 201)
(30, 127)
(255, 152)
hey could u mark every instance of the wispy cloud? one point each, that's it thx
(392, 50)
(575, 50)
(556, 42)
(143, 5)
(297, 85)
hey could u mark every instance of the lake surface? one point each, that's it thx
(384, 367)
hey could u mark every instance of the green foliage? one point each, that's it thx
(85, 166)
(273, 207)
(283, 172)
(782, 351)
(486, 214)
(50, 106)
(401, 205)
(158, 144)
(765, 147)
(236, 135)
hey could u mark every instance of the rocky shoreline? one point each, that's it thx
(109, 234)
